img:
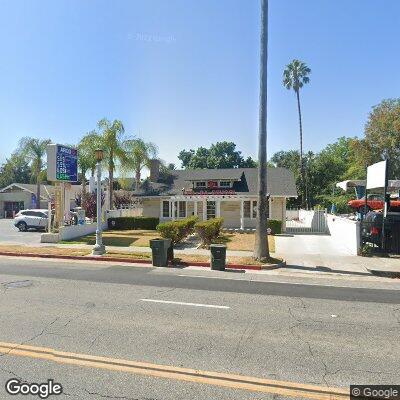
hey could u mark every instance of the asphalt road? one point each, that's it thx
(10, 234)
(325, 336)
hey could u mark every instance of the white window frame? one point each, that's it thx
(200, 184)
(215, 209)
(168, 209)
(253, 210)
(181, 209)
(229, 184)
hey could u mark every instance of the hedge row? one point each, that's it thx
(208, 230)
(127, 223)
(275, 226)
(177, 230)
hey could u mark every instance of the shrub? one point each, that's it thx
(177, 230)
(208, 230)
(275, 226)
(88, 201)
(126, 223)
(168, 230)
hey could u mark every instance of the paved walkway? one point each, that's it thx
(321, 253)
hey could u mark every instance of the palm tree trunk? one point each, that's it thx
(261, 250)
(111, 186)
(302, 180)
(38, 191)
(137, 179)
(83, 181)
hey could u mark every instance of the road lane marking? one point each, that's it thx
(181, 303)
(232, 381)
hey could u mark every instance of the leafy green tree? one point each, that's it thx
(295, 76)
(15, 169)
(111, 138)
(34, 150)
(382, 135)
(219, 155)
(138, 155)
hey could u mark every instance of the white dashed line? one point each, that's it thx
(180, 303)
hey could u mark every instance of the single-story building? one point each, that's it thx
(208, 193)
(22, 196)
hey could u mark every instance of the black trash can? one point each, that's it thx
(218, 257)
(159, 252)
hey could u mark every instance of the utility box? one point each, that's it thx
(159, 252)
(218, 257)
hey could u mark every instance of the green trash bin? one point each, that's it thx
(218, 257)
(159, 252)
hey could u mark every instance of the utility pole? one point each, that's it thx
(261, 250)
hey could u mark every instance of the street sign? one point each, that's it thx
(376, 175)
(62, 163)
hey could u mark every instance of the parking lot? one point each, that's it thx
(9, 234)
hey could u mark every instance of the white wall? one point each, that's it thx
(75, 231)
(125, 212)
(346, 232)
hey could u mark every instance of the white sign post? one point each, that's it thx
(377, 178)
(376, 175)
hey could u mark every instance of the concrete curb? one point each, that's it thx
(140, 261)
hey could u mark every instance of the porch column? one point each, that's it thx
(241, 214)
(161, 208)
(173, 211)
(218, 208)
(204, 210)
(195, 207)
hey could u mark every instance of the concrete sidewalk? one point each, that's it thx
(305, 254)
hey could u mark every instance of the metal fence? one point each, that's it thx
(371, 233)
(307, 221)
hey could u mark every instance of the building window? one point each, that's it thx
(201, 184)
(210, 209)
(254, 208)
(225, 184)
(165, 209)
(246, 209)
(182, 209)
(250, 209)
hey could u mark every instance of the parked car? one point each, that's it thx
(31, 219)
(371, 226)
(374, 202)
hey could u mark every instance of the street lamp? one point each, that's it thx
(99, 249)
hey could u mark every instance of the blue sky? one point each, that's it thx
(184, 73)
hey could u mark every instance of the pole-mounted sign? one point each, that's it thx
(62, 163)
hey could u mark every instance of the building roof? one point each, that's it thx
(280, 181)
(45, 190)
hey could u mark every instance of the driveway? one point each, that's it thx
(9, 234)
(322, 253)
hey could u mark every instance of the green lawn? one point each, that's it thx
(128, 238)
(243, 241)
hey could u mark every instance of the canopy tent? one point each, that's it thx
(393, 185)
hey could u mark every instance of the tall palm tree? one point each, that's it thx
(139, 154)
(112, 139)
(261, 249)
(34, 150)
(87, 158)
(295, 76)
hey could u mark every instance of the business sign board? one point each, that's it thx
(62, 163)
(376, 175)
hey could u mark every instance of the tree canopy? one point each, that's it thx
(219, 155)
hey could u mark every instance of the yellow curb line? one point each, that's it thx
(297, 390)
